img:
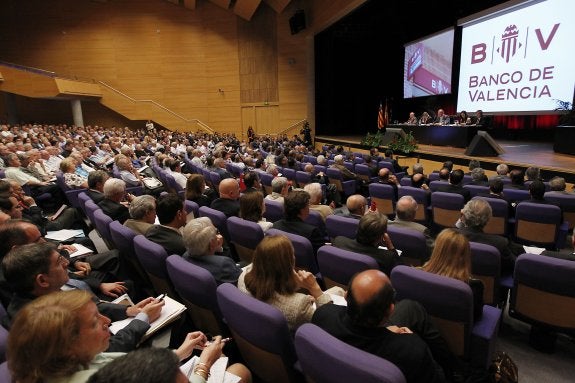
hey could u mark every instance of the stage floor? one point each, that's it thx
(517, 154)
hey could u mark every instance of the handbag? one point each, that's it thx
(503, 369)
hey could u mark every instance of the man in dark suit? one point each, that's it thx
(38, 269)
(400, 332)
(455, 185)
(111, 204)
(474, 216)
(172, 216)
(371, 234)
(355, 207)
(228, 203)
(296, 205)
(96, 181)
(220, 168)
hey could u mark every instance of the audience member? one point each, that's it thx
(172, 216)
(401, 332)
(355, 207)
(202, 242)
(532, 173)
(474, 216)
(111, 204)
(252, 208)
(272, 278)
(371, 236)
(296, 208)
(62, 337)
(405, 211)
(71, 178)
(280, 187)
(196, 191)
(386, 178)
(96, 181)
(478, 177)
(451, 258)
(143, 214)
(316, 196)
(455, 185)
(253, 183)
(517, 180)
(228, 202)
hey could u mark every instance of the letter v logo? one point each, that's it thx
(544, 44)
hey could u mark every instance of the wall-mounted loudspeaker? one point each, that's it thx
(483, 145)
(297, 22)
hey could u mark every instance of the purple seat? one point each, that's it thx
(412, 244)
(91, 207)
(515, 195)
(405, 181)
(261, 334)
(82, 198)
(384, 197)
(434, 185)
(450, 304)
(302, 178)
(289, 174)
(337, 266)
(423, 199)
(446, 209)
(337, 225)
(320, 168)
(335, 177)
(543, 292)
(153, 257)
(5, 376)
(274, 210)
(266, 180)
(324, 358)
(218, 218)
(123, 239)
(540, 225)
(171, 184)
(192, 206)
(304, 255)
(476, 189)
(486, 266)
(3, 338)
(363, 171)
(196, 287)
(215, 179)
(567, 204)
(315, 219)
(245, 236)
(102, 222)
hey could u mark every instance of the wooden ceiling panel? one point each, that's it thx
(225, 4)
(277, 5)
(246, 8)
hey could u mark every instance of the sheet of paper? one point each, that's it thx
(80, 250)
(62, 235)
(533, 249)
(338, 300)
(218, 371)
(124, 300)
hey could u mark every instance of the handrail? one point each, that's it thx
(44, 72)
(300, 122)
(179, 116)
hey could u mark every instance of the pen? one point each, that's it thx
(161, 297)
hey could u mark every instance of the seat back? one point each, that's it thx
(304, 255)
(516, 195)
(245, 235)
(324, 358)
(171, 183)
(446, 208)
(82, 198)
(476, 189)
(384, 197)
(544, 292)
(218, 218)
(191, 206)
(123, 239)
(315, 219)
(363, 171)
(274, 210)
(447, 300)
(215, 179)
(412, 243)
(499, 220)
(538, 224)
(337, 266)
(302, 178)
(567, 204)
(266, 180)
(335, 177)
(153, 257)
(337, 225)
(91, 208)
(261, 334)
(486, 266)
(103, 221)
(196, 287)
(289, 174)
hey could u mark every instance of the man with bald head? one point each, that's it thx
(355, 207)
(228, 203)
(400, 332)
(387, 178)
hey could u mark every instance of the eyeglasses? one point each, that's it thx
(61, 259)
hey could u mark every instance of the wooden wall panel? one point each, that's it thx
(246, 8)
(150, 49)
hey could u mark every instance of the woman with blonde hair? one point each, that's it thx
(72, 180)
(451, 258)
(61, 337)
(273, 279)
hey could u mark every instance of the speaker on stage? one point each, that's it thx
(483, 145)
(297, 22)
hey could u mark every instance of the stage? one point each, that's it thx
(518, 154)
